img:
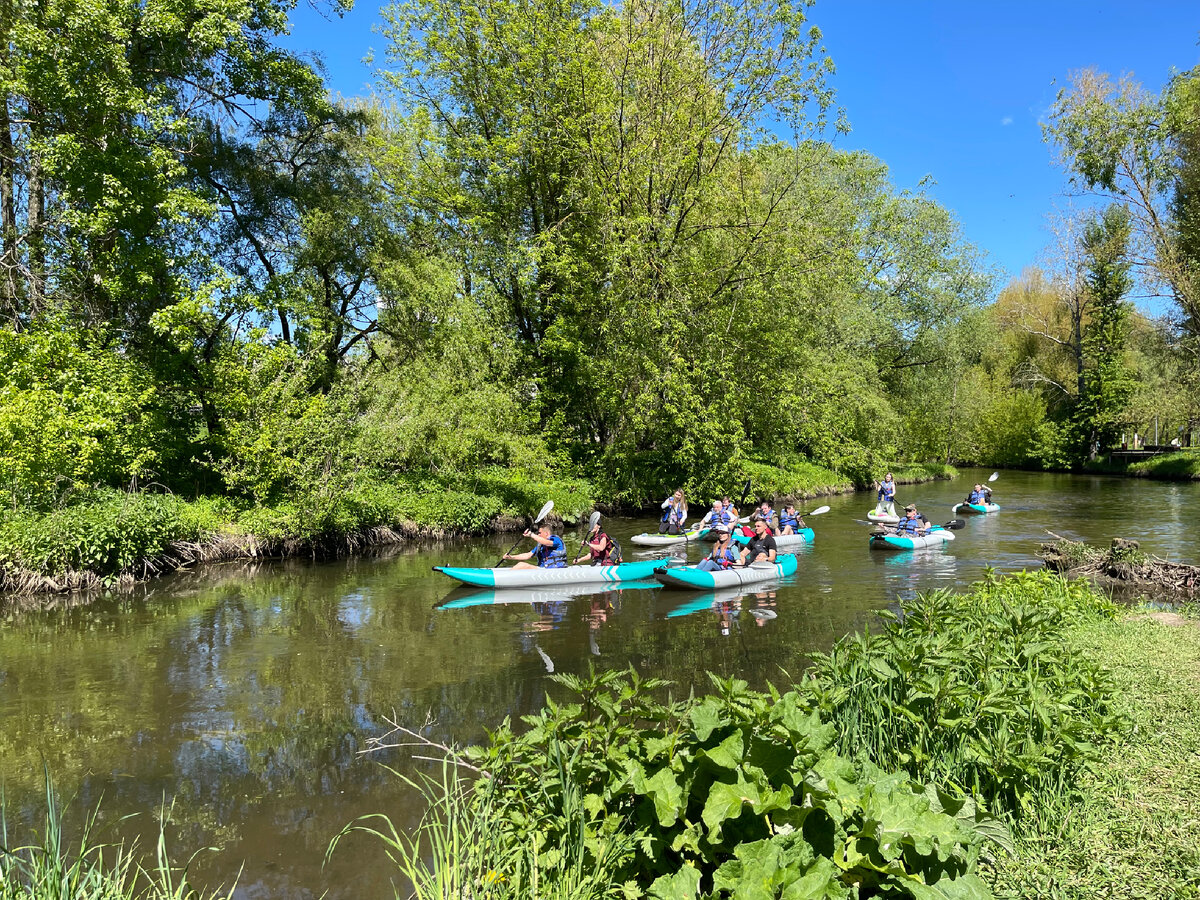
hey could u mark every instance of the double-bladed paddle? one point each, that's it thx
(545, 512)
(593, 521)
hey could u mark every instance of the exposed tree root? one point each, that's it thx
(1123, 562)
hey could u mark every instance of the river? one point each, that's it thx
(242, 694)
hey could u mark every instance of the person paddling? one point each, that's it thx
(764, 512)
(761, 547)
(723, 555)
(675, 513)
(550, 551)
(979, 495)
(886, 498)
(790, 521)
(717, 516)
(602, 550)
(913, 523)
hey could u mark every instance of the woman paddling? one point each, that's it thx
(675, 513)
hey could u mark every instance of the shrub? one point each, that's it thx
(980, 693)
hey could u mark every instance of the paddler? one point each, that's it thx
(913, 523)
(723, 555)
(550, 551)
(764, 512)
(717, 516)
(761, 547)
(979, 495)
(601, 549)
(886, 498)
(790, 521)
(675, 513)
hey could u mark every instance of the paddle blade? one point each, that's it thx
(744, 520)
(545, 511)
(955, 524)
(819, 511)
(593, 521)
(993, 476)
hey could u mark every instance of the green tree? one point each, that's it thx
(1106, 385)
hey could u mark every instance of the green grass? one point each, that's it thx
(1133, 833)
(1184, 466)
(51, 866)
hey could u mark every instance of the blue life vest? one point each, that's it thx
(759, 514)
(672, 515)
(887, 490)
(721, 518)
(726, 558)
(910, 526)
(554, 557)
(787, 518)
(976, 497)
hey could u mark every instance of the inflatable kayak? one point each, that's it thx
(506, 578)
(646, 539)
(884, 518)
(801, 537)
(934, 538)
(692, 578)
(979, 508)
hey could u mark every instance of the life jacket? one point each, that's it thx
(759, 514)
(554, 557)
(672, 515)
(721, 518)
(787, 518)
(610, 555)
(977, 497)
(725, 558)
(887, 490)
(911, 525)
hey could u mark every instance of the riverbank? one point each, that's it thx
(113, 540)
(1181, 466)
(1132, 831)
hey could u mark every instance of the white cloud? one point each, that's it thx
(1007, 120)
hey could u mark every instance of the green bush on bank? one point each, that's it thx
(737, 794)
(981, 692)
(107, 533)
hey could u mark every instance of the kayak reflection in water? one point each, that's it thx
(597, 615)
(550, 553)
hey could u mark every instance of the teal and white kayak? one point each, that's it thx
(782, 541)
(646, 539)
(508, 578)
(692, 578)
(975, 508)
(935, 537)
(883, 518)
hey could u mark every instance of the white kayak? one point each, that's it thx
(646, 539)
(693, 578)
(884, 518)
(782, 541)
(935, 537)
(503, 578)
(977, 508)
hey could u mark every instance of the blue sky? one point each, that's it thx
(949, 90)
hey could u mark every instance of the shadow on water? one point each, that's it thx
(244, 692)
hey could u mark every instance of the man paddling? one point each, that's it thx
(790, 521)
(550, 552)
(913, 523)
(761, 547)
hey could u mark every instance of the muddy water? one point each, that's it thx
(242, 695)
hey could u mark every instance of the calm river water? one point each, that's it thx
(242, 694)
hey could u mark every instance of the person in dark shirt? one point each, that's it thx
(761, 547)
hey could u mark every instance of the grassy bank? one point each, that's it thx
(1182, 466)
(1132, 832)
